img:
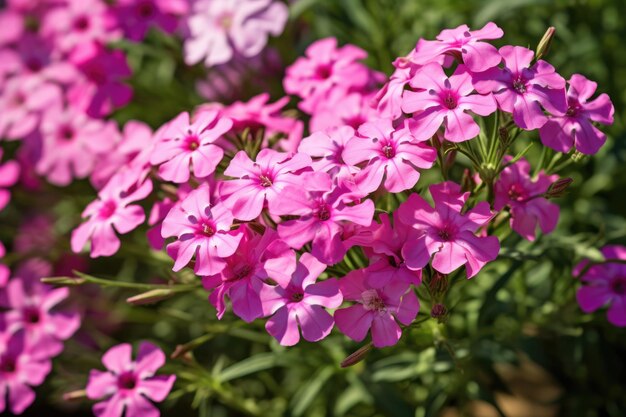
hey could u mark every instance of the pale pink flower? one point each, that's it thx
(22, 366)
(389, 97)
(393, 156)
(72, 143)
(258, 259)
(445, 100)
(202, 230)
(575, 127)
(12, 24)
(299, 301)
(111, 212)
(605, 284)
(128, 385)
(326, 148)
(477, 56)
(22, 103)
(377, 309)
(79, 22)
(323, 208)
(9, 175)
(136, 17)
(102, 90)
(525, 196)
(325, 68)
(185, 145)
(221, 28)
(33, 308)
(523, 89)
(259, 182)
(445, 233)
(341, 109)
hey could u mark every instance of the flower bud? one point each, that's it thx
(439, 312)
(150, 297)
(558, 188)
(75, 395)
(357, 356)
(503, 135)
(544, 44)
(64, 281)
(438, 284)
(468, 183)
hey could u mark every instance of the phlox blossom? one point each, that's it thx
(326, 148)
(9, 175)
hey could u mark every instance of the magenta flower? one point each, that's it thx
(385, 241)
(445, 233)
(202, 230)
(32, 307)
(260, 182)
(575, 127)
(343, 109)
(257, 259)
(377, 309)
(516, 189)
(22, 366)
(522, 89)
(185, 145)
(221, 28)
(5, 272)
(392, 155)
(444, 100)
(72, 143)
(9, 175)
(129, 385)
(102, 90)
(323, 208)
(326, 148)
(389, 97)
(299, 301)
(477, 56)
(79, 22)
(136, 17)
(22, 102)
(605, 284)
(111, 212)
(324, 69)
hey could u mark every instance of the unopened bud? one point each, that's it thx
(150, 297)
(468, 183)
(357, 356)
(438, 284)
(544, 44)
(439, 312)
(75, 395)
(64, 281)
(503, 134)
(558, 188)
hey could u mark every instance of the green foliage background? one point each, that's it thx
(520, 307)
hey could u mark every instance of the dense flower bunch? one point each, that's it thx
(313, 224)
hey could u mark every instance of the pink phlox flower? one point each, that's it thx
(522, 89)
(102, 88)
(221, 28)
(323, 208)
(383, 247)
(78, 22)
(72, 144)
(22, 366)
(128, 385)
(605, 285)
(5, 272)
(136, 17)
(22, 103)
(378, 309)
(36, 234)
(476, 55)
(299, 301)
(258, 259)
(326, 148)
(325, 68)
(13, 26)
(202, 230)
(524, 195)
(575, 127)
(342, 108)
(185, 145)
(9, 175)
(136, 138)
(445, 233)
(259, 182)
(33, 307)
(445, 100)
(111, 212)
(392, 156)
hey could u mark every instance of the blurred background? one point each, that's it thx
(516, 343)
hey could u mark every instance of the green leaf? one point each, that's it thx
(256, 363)
(305, 395)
